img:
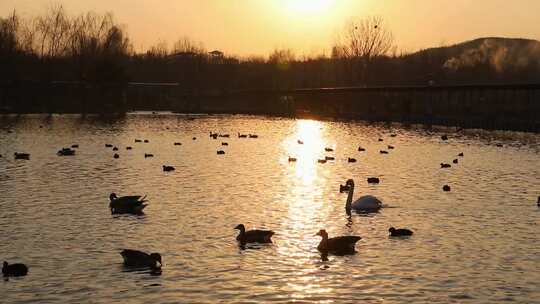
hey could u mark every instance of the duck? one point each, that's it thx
(446, 188)
(351, 160)
(253, 136)
(224, 144)
(66, 152)
(390, 147)
(224, 135)
(146, 141)
(455, 161)
(383, 152)
(329, 158)
(253, 236)
(292, 159)
(328, 149)
(380, 139)
(128, 148)
(115, 149)
(300, 142)
(460, 154)
(220, 152)
(14, 270)
(373, 180)
(360, 149)
(127, 204)
(443, 165)
(136, 258)
(108, 146)
(213, 135)
(538, 202)
(138, 140)
(194, 138)
(393, 135)
(321, 161)
(116, 155)
(148, 155)
(242, 135)
(168, 168)
(400, 232)
(444, 137)
(177, 143)
(22, 155)
(339, 245)
(366, 203)
(75, 146)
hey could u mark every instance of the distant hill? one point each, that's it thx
(482, 60)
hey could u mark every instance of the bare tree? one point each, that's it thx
(188, 45)
(361, 41)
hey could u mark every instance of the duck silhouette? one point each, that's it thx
(253, 236)
(340, 245)
(14, 270)
(400, 232)
(133, 204)
(136, 258)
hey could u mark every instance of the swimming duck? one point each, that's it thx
(224, 135)
(329, 158)
(128, 148)
(136, 258)
(460, 154)
(300, 142)
(538, 202)
(383, 152)
(115, 149)
(66, 152)
(253, 236)
(455, 161)
(146, 141)
(321, 161)
(292, 159)
(14, 270)
(127, 204)
(138, 140)
(253, 136)
(148, 155)
(373, 180)
(116, 155)
(351, 160)
(242, 135)
(339, 245)
(177, 143)
(213, 135)
(194, 138)
(444, 137)
(168, 168)
(446, 188)
(360, 149)
(399, 232)
(21, 155)
(220, 152)
(328, 149)
(224, 144)
(366, 203)
(390, 147)
(443, 165)
(380, 139)
(393, 135)
(74, 146)
(108, 146)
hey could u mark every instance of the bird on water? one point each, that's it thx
(339, 245)
(253, 236)
(400, 232)
(14, 270)
(136, 258)
(366, 203)
(133, 204)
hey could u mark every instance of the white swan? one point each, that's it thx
(366, 203)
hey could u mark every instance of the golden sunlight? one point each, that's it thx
(307, 7)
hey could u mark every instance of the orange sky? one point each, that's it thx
(249, 27)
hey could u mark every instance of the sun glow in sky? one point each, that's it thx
(308, 6)
(309, 27)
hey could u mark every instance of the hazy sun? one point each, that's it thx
(308, 6)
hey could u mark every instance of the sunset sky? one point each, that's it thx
(256, 27)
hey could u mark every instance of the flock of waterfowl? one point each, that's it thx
(135, 204)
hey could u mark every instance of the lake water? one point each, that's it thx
(479, 243)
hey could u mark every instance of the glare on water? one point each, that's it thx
(478, 242)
